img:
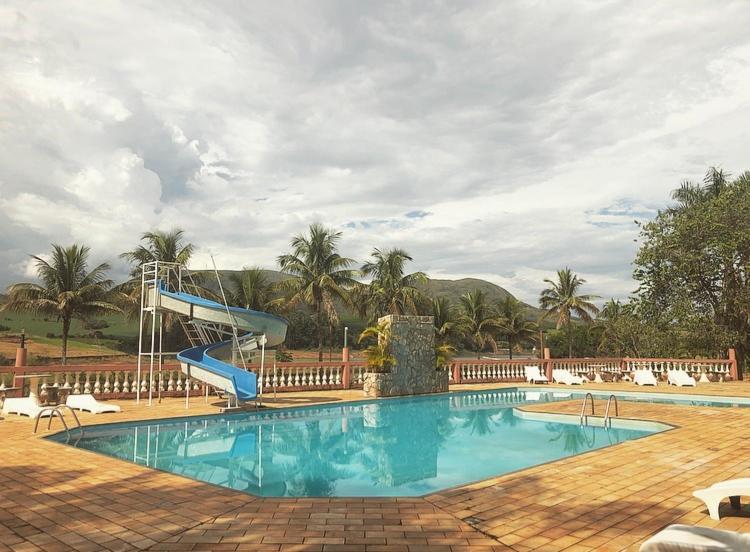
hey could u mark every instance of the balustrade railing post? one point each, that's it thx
(456, 372)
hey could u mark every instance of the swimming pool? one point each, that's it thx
(396, 447)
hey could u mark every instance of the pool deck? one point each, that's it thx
(54, 497)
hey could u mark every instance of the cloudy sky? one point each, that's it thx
(501, 140)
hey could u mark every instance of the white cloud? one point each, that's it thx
(529, 137)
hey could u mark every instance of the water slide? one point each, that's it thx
(212, 363)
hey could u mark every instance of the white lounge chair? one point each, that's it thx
(680, 378)
(533, 375)
(685, 538)
(25, 406)
(90, 404)
(563, 376)
(731, 489)
(644, 377)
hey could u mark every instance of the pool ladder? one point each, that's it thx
(589, 399)
(57, 411)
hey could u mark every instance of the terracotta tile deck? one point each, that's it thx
(59, 498)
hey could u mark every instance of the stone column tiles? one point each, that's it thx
(412, 343)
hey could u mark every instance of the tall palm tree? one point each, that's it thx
(68, 290)
(562, 300)
(391, 290)
(250, 289)
(479, 321)
(318, 275)
(514, 325)
(448, 328)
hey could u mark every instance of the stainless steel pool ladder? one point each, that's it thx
(607, 417)
(585, 417)
(57, 411)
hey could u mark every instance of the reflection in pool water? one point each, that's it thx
(397, 447)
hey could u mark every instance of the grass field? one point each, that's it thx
(36, 325)
(82, 344)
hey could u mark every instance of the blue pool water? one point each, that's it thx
(397, 447)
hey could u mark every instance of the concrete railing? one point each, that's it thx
(121, 381)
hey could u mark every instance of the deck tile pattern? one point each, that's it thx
(59, 498)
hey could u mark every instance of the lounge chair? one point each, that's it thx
(25, 406)
(685, 538)
(533, 375)
(563, 376)
(731, 489)
(90, 404)
(644, 377)
(680, 378)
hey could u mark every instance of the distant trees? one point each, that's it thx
(392, 290)
(250, 289)
(318, 275)
(562, 300)
(693, 268)
(514, 325)
(479, 321)
(68, 290)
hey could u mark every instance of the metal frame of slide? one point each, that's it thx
(211, 328)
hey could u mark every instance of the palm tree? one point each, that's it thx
(391, 290)
(250, 289)
(68, 290)
(562, 300)
(378, 355)
(319, 275)
(479, 321)
(690, 193)
(514, 325)
(448, 329)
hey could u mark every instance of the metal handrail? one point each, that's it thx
(607, 418)
(584, 417)
(57, 411)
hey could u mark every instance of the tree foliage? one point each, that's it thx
(562, 300)
(68, 290)
(392, 290)
(694, 263)
(319, 275)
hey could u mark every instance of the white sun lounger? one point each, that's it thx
(88, 403)
(731, 489)
(533, 375)
(685, 538)
(644, 377)
(680, 378)
(563, 376)
(25, 406)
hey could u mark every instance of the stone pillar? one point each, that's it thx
(345, 354)
(412, 343)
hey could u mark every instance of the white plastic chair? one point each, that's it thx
(563, 376)
(685, 538)
(731, 488)
(25, 406)
(88, 403)
(644, 377)
(534, 375)
(680, 378)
